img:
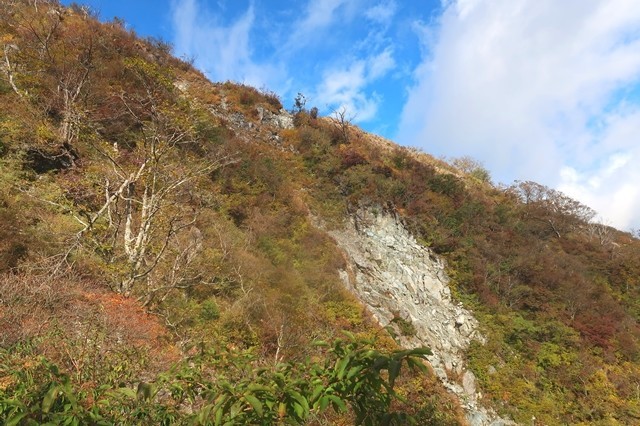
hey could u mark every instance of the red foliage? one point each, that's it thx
(596, 329)
(351, 157)
(126, 318)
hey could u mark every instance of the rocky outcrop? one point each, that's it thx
(405, 287)
(266, 129)
(281, 120)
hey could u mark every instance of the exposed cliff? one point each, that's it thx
(405, 287)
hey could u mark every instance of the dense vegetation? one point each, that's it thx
(556, 292)
(157, 244)
(148, 245)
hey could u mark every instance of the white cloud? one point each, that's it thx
(382, 12)
(464, 7)
(318, 16)
(343, 88)
(346, 87)
(381, 64)
(230, 50)
(353, 62)
(222, 51)
(518, 84)
(611, 185)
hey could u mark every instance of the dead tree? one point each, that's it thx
(342, 121)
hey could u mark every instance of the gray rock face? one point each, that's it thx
(267, 128)
(282, 120)
(402, 282)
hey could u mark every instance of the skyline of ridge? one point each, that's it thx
(535, 90)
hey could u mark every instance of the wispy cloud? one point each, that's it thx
(348, 87)
(361, 62)
(380, 64)
(318, 17)
(519, 83)
(382, 12)
(222, 50)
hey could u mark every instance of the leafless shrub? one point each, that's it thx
(27, 303)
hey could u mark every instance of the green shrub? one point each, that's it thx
(406, 327)
(231, 386)
(209, 310)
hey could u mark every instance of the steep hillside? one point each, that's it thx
(174, 250)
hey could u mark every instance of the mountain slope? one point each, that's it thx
(152, 218)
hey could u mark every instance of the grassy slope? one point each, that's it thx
(232, 260)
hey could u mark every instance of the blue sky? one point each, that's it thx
(540, 90)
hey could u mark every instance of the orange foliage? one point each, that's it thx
(126, 317)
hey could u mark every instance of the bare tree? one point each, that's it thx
(472, 167)
(9, 67)
(147, 209)
(60, 55)
(342, 120)
(546, 205)
(600, 232)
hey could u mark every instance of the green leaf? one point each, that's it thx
(354, 370)
(301, 400)
(342, 365)
(420, 352)
(258, 388)
(128, 392)
(324, 402)
(235, 409)
(316, 392)
(380, 362)
(417, 365)
(218, 416)
(279, 379)
(370, 353)
(394, 370)
(255, 404)
(49, 399)
(204, 414)
(338, 404)
(350, 335)
(298, 410)
(13, 421)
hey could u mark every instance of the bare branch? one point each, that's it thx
(9, 68)
(343, 122)
(65, 209)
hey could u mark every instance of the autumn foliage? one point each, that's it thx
(151, 218)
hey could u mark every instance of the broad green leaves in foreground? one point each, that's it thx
(220, 388)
